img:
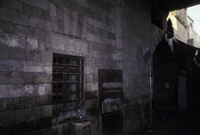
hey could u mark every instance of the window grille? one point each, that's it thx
(67, 95)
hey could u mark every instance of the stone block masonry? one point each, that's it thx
(103, 32)
(31, 31)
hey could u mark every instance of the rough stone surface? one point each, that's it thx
(42, 78)
(46, 57)
(41, 4)
(4, 52)
(58, 42)
(13, 5)
(6, 27)
(107, 34)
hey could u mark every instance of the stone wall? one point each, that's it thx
(183, 27)
(181, 32)
(109, 34)
(31, 31)
(138, 36)
(192, 35)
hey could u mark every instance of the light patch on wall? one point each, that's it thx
(41, 90)
(146, 53)
(173, 19)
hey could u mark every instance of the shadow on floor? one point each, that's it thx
(173, 123)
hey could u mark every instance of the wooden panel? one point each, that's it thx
(111, 101)
(111, 75)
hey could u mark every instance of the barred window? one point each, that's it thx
(67, 95)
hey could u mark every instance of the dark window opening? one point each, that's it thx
(68, 89)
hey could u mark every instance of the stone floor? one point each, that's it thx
(174, 124)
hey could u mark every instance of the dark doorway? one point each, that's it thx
(165, 78)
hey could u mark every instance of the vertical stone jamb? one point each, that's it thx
(118, 32)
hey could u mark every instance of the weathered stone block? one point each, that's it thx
(4, 77)
(67, 26)
(13, 5)
(41, 89)
(19, 116)
(43, 111)
(23, 31)
(42, 78)
(93, 46)
(32, 55)
(47, 57)
(28, 77)
(89, 78)
(48, 26)
(10, 65)
(48, 89)
(52, 10)
(38, 3)
(57, 130)
(31, 102)
(91, 95)
(48, 68)
(40, 34)
(57, 42)
(29, 114)
(29, 66)
(88, 69)
(29, 89)
(101, 63)
(24, 102)
(3, 91)
(92, 22)
(13, 16)
(92, 37)
(43, 123)
(22, 128)
(102, 33)
(60, 26)
(94, 103)
(7, 118)
(4, 52)
(6, 27)
(54, 24)
(41, 45)
(37, 130)
(107, 56)
(36, 12)
(32, 43)
(16, 91)
(96, 54)
(21, 78)
(9, 40)
(91, 86)
(89, 61)
(6, 104)
(22, 41)
(36, 22)
(95, 15)
(82, 3)
(17, 53)
(91, 112)
(43, 100)
(59, 14)
(87, 104)
(74, 24)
